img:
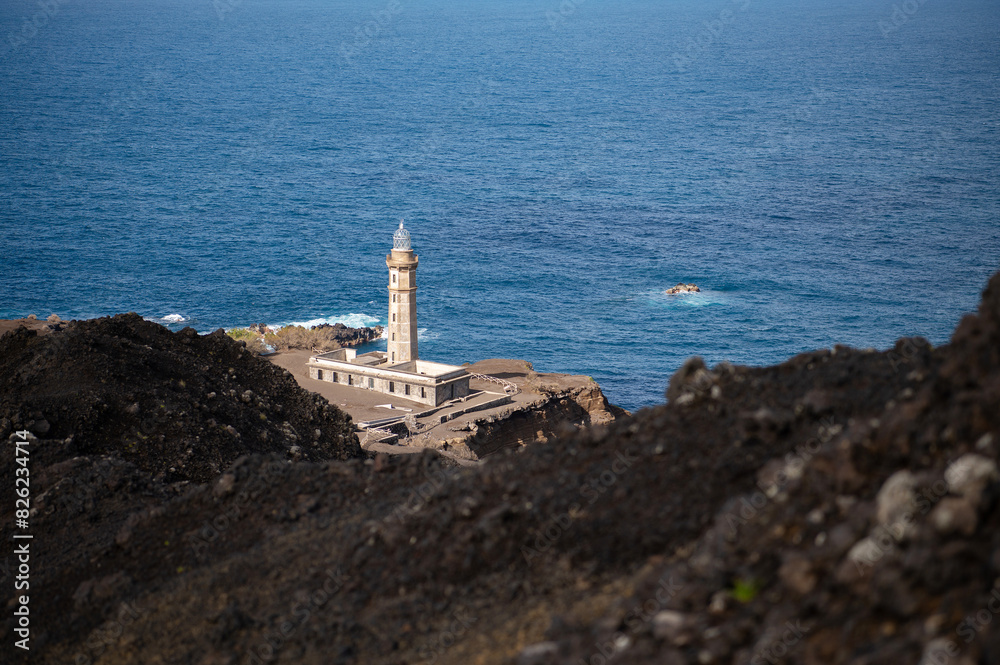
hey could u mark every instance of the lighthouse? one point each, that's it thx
(397, 371)
(402, 264)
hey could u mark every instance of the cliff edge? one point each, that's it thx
(546, 406)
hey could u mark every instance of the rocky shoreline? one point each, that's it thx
(841, 507)
(262, 339)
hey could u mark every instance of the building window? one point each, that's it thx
(394, 337)
(334, 379)
(350, 380)
(393, 317)
(371, 383)
(392, 387)
(393, 278)
(422, 393)
(319, 374)
(406, 389)
(393, 356)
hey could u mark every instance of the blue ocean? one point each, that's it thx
(827, 172)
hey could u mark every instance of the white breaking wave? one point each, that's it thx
(166, 320)
(703, 298)
(350, 320)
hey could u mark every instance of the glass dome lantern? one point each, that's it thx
(401, 238)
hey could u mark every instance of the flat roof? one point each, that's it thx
(415, 368)
(435, 369)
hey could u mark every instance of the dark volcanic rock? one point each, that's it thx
(177, 405)
(842, 507)
(345, 336)
(682, 288)
(324, 337)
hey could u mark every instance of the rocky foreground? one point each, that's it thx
(841, 507)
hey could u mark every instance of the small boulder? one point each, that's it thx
(682, 288)
(897, 498)
(675, 627)
(954, 515)
(969, 475)
(538, 654)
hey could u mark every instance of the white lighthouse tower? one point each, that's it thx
(402, 263)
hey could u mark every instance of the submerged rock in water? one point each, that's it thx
(682, 288)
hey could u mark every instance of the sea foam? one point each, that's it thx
(167, 320)
(349, 320)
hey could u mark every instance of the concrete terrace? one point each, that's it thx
(435, 425)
